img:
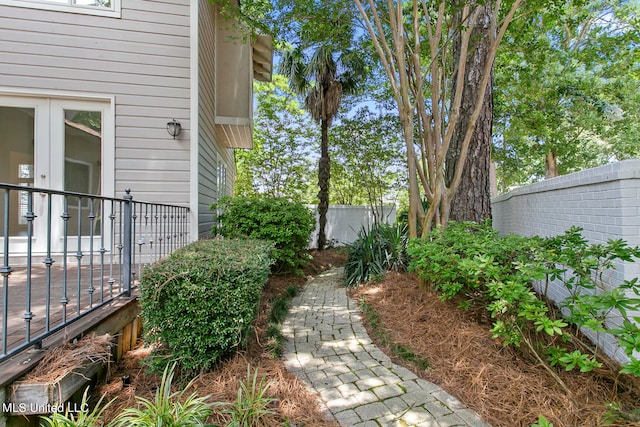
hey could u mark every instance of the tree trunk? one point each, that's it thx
(472, 200)
(551, 165)
(324, 174)
(414, 192)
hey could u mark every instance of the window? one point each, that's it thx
(91, 7)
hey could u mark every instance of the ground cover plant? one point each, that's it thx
(497, 274)
(167, 408)
(288, 225)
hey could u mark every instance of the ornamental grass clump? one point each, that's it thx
(170, 409)
(375, 252)
(198, 304)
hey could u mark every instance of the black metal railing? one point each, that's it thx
(64, 254)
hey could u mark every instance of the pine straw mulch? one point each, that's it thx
(66, 358)
(494, 381)
(295, 402)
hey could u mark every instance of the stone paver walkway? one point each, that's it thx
(328, 347)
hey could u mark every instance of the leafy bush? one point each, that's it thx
(375, 252)
(287, 224)
(198, 303)
(497, 274)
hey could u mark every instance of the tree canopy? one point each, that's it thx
(366, 150)
(279, 164)
(567, 91)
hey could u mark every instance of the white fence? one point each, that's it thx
(604, 201)
(344, 222)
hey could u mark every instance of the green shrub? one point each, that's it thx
(287, 224)
(497, 274)
(375, 252)
(198, 303)
(279, 310)
(465, 257)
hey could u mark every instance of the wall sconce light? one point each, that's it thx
(174, 127)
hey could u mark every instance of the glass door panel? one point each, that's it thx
(16, 163)
(82, 167)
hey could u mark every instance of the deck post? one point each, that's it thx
(127, 239)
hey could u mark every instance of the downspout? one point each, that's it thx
(194, 133)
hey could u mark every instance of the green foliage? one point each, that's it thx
(252, 404)
(279, 163)
(376, 251)
(616, 415)
(279, 309)
(497, 273)
(567, 84)
(287, 224)
(367, 159)
(78, 419)
(542, 422)
(198, 303)
(167, 409)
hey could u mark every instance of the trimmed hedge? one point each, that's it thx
(285, 223)
(198, 304)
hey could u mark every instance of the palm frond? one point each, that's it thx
(324, 104)
(352, 69)
(322, 66)
(293, 68)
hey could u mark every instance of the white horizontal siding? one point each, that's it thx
(115, 58)
(152, 155)
(100, 68)
(146, 24)
(60, 70)
(154, 176)
(141, 59)
(208, 191)
(160, 52)
(142, 164)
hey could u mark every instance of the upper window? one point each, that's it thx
(89, 7)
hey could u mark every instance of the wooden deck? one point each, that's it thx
(80, 300)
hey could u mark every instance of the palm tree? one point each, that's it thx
(322, 79)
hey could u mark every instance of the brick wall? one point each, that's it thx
(604, 201)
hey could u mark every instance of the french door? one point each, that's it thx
(53, 144)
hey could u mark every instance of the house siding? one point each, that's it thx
(212, 159)
(141, 60)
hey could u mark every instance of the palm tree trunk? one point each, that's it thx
(324, 174)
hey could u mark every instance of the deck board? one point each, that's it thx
(79, 302)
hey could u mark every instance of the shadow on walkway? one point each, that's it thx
(328, 347)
